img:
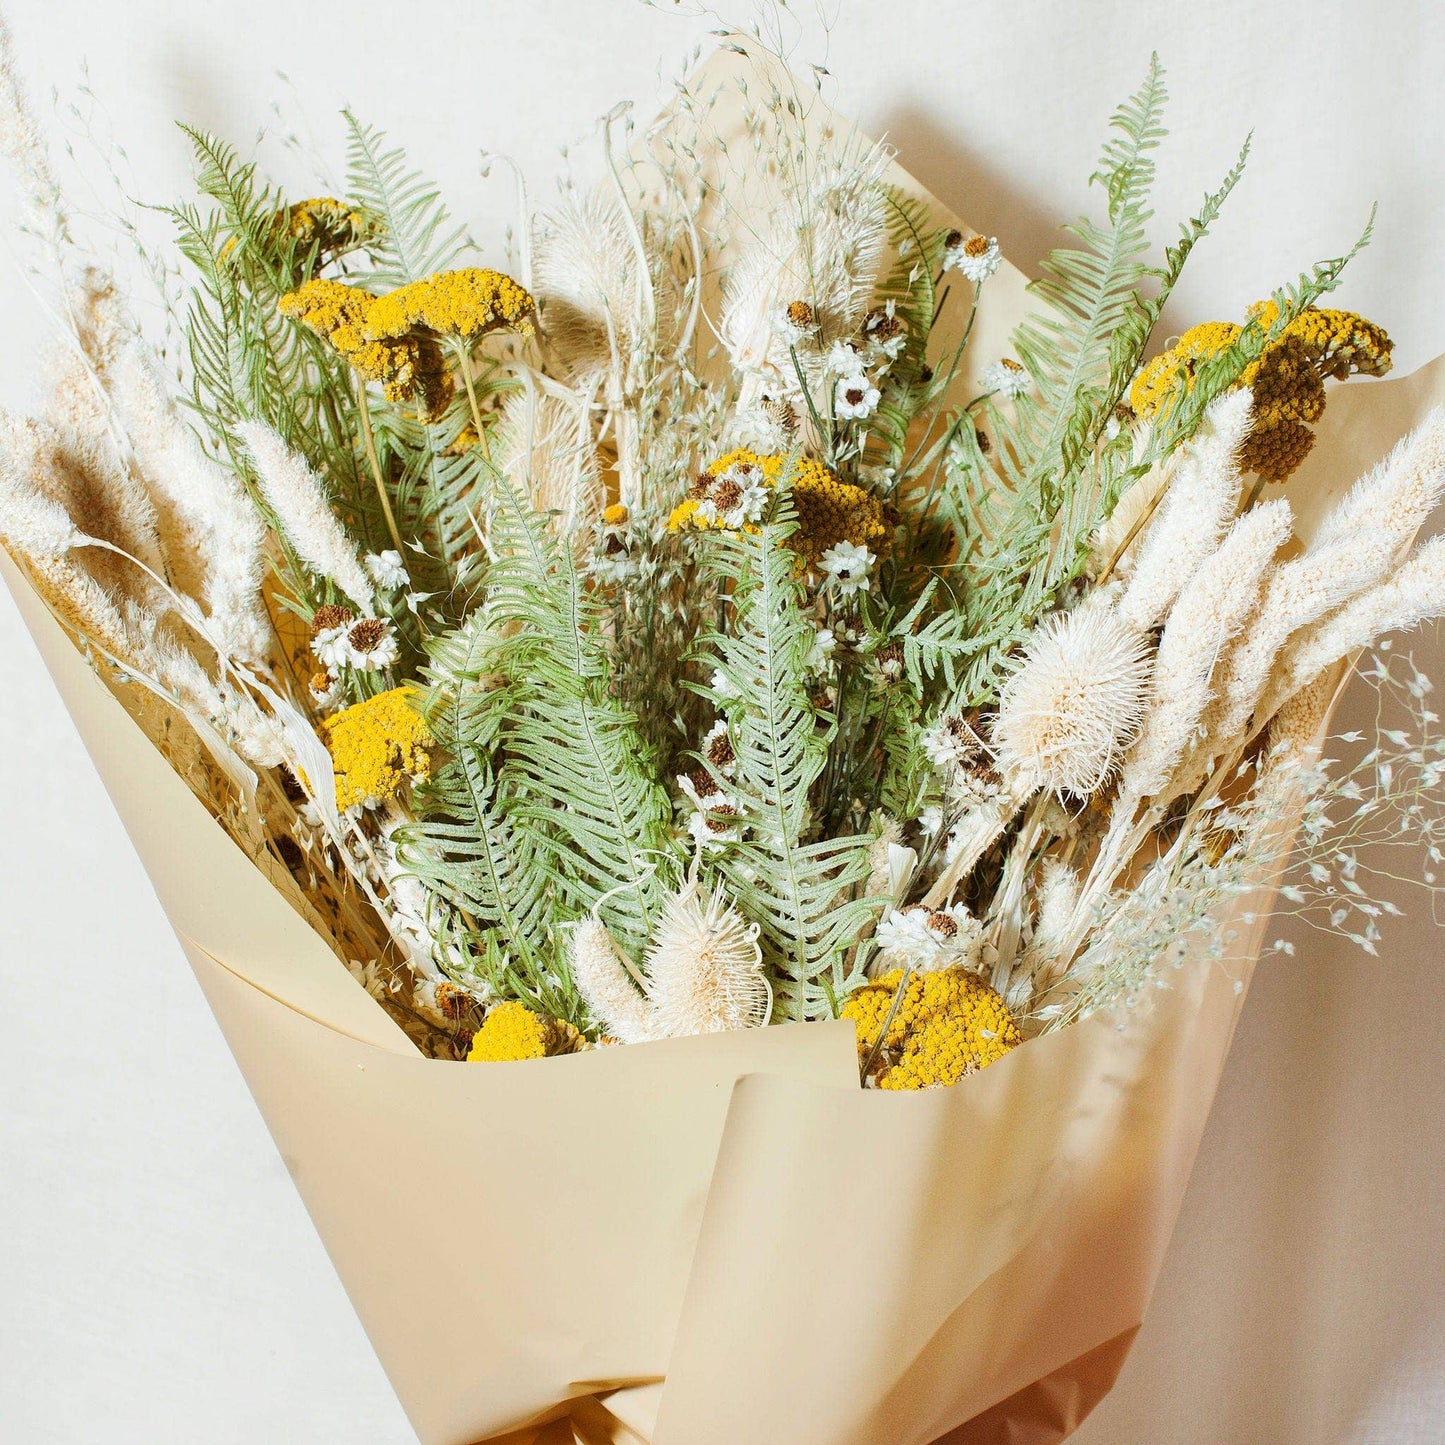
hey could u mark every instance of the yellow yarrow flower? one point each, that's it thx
(830, 511)
(947, 1024)
(377, 746)
(1287, 378)
(512, 1031)
(407, 367)
(466, 303)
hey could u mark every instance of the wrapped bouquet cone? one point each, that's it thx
(719, 1238)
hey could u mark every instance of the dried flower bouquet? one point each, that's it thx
(706, 623)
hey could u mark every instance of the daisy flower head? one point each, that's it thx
(387, 570)
(1007, 378)
(717, 748)
(926, 939)
(883, 332)
(976, 257)
(846, 567)
(735, 498)
(796, 322)
(855, 399)
(369, 645)
(844, 359)
(822, 649)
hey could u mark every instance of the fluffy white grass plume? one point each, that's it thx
(823, 246)
(1356, 549)
(604, 982)
(1196, 511)
(1393, 499)
(1073, 704)
(296, 496)
(1415, 594)
(704, 969)
(211, 534)
(544, 433)
(1209, 613)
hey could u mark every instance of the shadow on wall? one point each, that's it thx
(972, 188)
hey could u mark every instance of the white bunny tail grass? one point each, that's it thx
(606, 985)
(212, 536)
(1073, 705)
(1393, 500)
(1196, 511)
(1210, 612)
(1415, 594)
(705, 967)
(298, 499)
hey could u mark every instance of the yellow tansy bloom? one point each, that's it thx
(333, 225)
(407, 367)
(948, 1023)
(830, 511)
(466, 303)
(512, 1031)
(377, 746)
(1287, 379)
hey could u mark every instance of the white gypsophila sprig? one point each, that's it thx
(1073, 704)
(1195, 512)
(1209, 613)
(295, 494)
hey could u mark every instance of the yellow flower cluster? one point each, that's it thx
(467, 303)
(376, 746)
(392, 339)
(408, 367)
(948, 1023)
(830, 511)
(1287, 379)
(330, 224)
(512, 1031)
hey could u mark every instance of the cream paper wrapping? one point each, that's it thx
(722, 1240)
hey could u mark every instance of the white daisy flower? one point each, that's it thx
(326, 691)
(722, 684)
(844, 359)
(855, 398)
(925, 939)
(735, 498)
(370, 645)
(1007, 378)
(387, 570)
(931, 819)
(976, 258)
(951, 742)
(884, 332)
(795, 323)
(847, 566)
(330, 647)
(874, 476)
(822, 649)
(717, 748)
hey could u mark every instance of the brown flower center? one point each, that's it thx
(366, 636)
(329, 616)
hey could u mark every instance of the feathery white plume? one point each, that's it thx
(822, 246)
(1074, 703)
(543, 433)
(212, 536)
(704, 970)
(1413, 595)
(1194, 515)
(605, 984)
(1393, 499)
(299, 501)
(1211, 610)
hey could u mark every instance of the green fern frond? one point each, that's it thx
(802, 895)
(417, 234)
(581, 781)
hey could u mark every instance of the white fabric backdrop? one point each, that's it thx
(158, 1277)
